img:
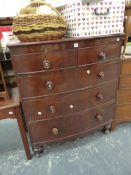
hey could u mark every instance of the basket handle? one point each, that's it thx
(38, 3)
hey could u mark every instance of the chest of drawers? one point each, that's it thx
(67, 87)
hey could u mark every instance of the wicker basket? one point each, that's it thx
(30, 26)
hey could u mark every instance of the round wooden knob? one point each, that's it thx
(46, 64)
(55, 131)
(99, 96)
(102, 56)
(52, 109)
(49, 85)
(101, 75)
(99, 117)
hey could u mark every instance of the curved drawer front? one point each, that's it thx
(53, 82)
(55, 129)
(44, 84)
(45, 61)
(98, 54)
(61, 105)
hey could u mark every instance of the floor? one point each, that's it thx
(97, 154)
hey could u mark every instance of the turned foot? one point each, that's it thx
(38, 150)
(107, 129)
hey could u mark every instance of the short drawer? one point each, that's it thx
(60, 105)
(61, 81)
(105, 72)
(124, 97)
(55, 129)
(45, 61)
(98, 54)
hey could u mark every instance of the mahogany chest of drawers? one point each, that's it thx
(67, 87)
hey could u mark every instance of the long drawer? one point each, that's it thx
(64, 44)
(55, 129)
(70, 103)
(54, 82)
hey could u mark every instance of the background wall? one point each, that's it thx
(11, 7)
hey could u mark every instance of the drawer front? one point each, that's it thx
(125, 82)
(45, 61)
(106, 72)
(98, 54)
(61, 105)
(124, 96)
(126, 67)
(55, 129)
(44, 84)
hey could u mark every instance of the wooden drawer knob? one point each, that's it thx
(46, 64)
(99, 96)
(102, 56)
(49, 85)
(55, 131)
(10, 112)
(99, 117)
(52, 109)
(88, 72)
(101, 75)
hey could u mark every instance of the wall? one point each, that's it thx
(11, 7)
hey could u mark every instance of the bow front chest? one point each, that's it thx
(67, 87)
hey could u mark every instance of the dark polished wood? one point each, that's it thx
(61, 81)
(70, 103)
(47, 60)
(66, 43)
(67, 87)
(55, 129)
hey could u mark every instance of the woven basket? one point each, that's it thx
(29, 26)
